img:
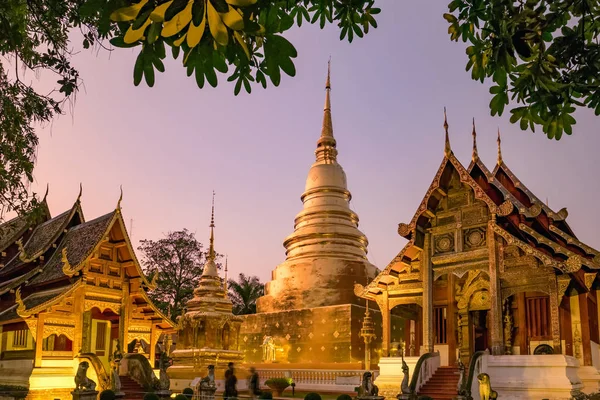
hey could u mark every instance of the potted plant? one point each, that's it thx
(278, 385)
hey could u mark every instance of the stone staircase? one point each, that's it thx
(132, 389)
(442, 385)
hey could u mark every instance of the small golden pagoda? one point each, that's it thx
(208, 332)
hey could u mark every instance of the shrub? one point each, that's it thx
(107, 395)
(189, 392)
(266, 395)
(344, 397)
(312, 396)
(181, 397)
(151, 396)
(278, 384)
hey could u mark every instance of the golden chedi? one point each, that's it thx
(309, 313)
(208, 332)
(327, 253)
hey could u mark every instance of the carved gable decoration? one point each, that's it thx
(474, 216)
(443, 243)
(474, 238)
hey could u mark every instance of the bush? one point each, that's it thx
(265, 395)
(278, 384)
(189, 392)
(151, 396)
(181, 397)
(107, 395)
(344, 397)
(312, 396)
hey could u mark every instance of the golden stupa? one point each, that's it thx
(309, 313)
(208, 332)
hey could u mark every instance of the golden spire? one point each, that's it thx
(499, 148)
(447, 148)
(210, 268)
(326, 150)
(475, 155)
(225, 280)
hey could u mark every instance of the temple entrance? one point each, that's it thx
(480, 331)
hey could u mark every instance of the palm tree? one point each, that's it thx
(244, 292)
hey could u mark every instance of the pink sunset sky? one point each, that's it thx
(171, 145)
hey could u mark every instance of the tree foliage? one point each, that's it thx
(542, 56)
(240, 37)
(244, 292)
(178, 259)
(243, 38)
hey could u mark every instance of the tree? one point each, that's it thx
(178, 259)
(543, 57)
(243, 37)
(244, 292)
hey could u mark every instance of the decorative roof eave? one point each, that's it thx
(573, 258)
(405, 229)
(149, 284)
(61, 293)
(18, 281)
(362, 291)
(576, 242)
(561, 215)
(528, 212)
(528, 249)
(27, 258)
(150, 303)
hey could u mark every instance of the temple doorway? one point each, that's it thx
(480, 330)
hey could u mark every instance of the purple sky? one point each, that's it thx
(171, 145)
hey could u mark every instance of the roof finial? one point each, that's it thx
(225, 280)
(499, 148)
(46, 194)
(80, 192)
(120, 198)
(211, 251)
(475, 156)
(447, 148)
(328, 83)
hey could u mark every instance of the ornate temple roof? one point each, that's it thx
(57, 254)
(520, 218)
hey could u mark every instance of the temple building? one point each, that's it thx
(491, 266)
(309, 313)
(208, 332)
(71, 290)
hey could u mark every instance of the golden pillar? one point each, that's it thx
(427, 297)
(152, 345)
(86, 332)
(78, 305)
(124, 318)
(496, 334)
(39, 341)
(555, 314)
(384, 306)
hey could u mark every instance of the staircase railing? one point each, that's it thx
(140, 370)
(424, 369)
(103, 376)
(474, 369)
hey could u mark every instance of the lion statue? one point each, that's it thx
(82, 382)
(367, 388)
(485, 389)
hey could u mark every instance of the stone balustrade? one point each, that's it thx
(316, 379)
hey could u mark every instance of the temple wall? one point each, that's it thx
(324, 336)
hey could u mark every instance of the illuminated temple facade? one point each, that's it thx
(70, 290)
(491, 266)
(309, 313)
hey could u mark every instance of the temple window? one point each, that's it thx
(101, 336)
(20, 338)
(439, 322)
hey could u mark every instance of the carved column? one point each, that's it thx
(384, 307)
(152, 344)
(86, 332)
(450, 321)
(78, 304)
(496, 333)
(522, 318)
(427, 296)
(585, 329)
(39, 341)
(124, 317)
(576, 327)
(554, 314)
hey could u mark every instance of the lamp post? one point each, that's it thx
(367, 332)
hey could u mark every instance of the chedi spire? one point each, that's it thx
(326, 145)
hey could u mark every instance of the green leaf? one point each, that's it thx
(118, 42)
(138, 69)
